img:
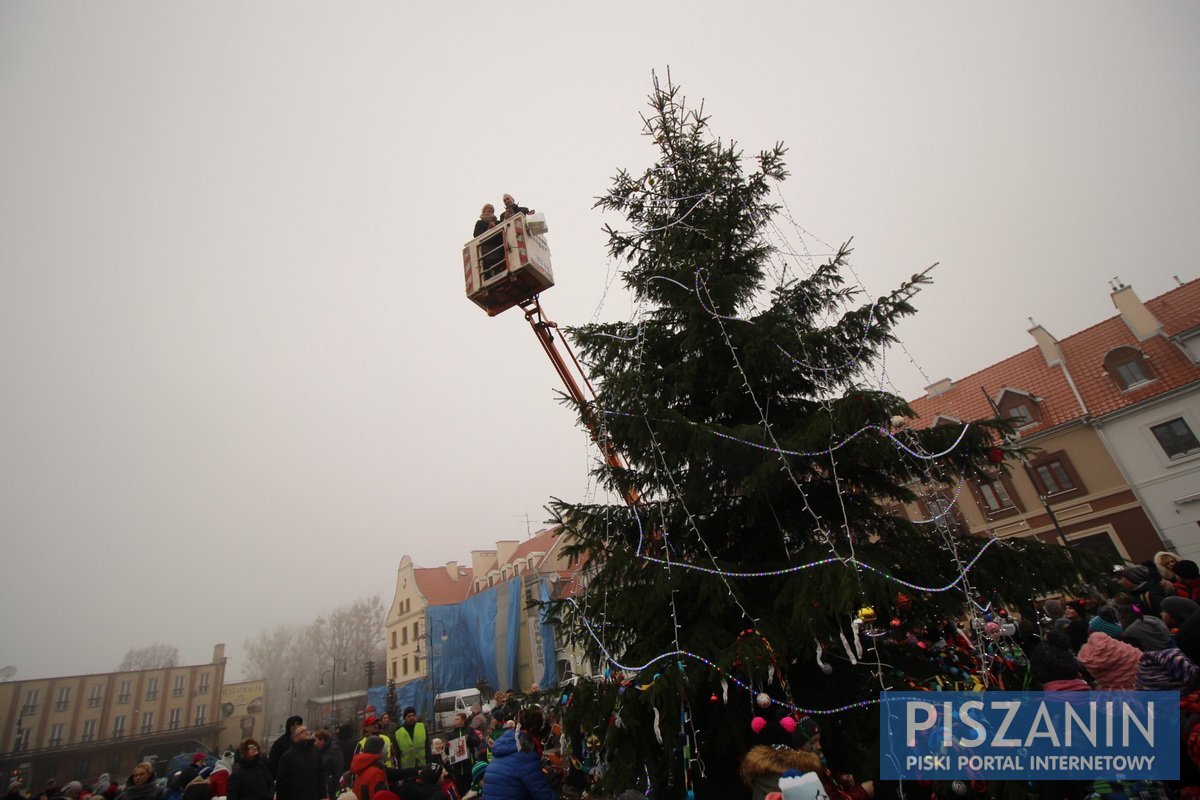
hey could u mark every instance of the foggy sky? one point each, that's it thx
(238, 374)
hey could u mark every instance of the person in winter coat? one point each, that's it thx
(1054, 666)
(250, 778)
(218, 779)
(332, 763)
(461, 770)
(282, 744)
(516, 770)
(1145, 587)
(763, 766)
(199, 788)
(299, 776)
(511, 209)
(1167, 670)
(1113, 664)
(1148, 633)
(1187, 580)
(367, 768)
(142, 784)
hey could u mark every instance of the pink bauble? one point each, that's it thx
(757, 724)
(788, 724)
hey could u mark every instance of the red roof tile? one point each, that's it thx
(439, 589)
(1083, 352)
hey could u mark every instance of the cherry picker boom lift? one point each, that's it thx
(509, 265)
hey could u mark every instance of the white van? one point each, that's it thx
(447, 704)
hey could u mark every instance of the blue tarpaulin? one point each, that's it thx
(472, 641)
(549, 676)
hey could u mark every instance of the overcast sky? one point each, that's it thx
(238, 375)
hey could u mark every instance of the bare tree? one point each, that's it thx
(155, 656)
(299, 662)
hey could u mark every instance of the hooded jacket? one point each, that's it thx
(250, 780)
(516, 771)
(764, 765)
(1148, 633)
(369, 775)
(1111, 663)
(281, 745)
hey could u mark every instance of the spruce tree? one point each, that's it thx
(754, 444)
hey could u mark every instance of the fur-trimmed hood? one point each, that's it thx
(763, 761)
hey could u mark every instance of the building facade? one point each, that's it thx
(1110, 413)
(77, 727)
(520, 574)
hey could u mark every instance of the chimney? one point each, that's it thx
(452, 570)
(941, 387)
(219, 654)
(1134, 313)
(482, 562)
(505, 550)
(1047, 344)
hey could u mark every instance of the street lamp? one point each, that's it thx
(333, 689)
(429, 623)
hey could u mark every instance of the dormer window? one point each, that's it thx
(1129, 367)
(942, 420)
(1021, 407)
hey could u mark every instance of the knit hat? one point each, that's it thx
(1187, 570)
(1054, 608)
(437, 746)
(477, 771)
(409, 710)
(1148, 633)
(371, 720)
(1136, 574)
(1112, 663)
(1180, 608)
(806, 730)
(72, 789)
(373, 745)
(1099, 623)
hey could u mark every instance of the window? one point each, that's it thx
(996, 497)
(416, 631)
(940, 506)
(403, 635)
(89, 730)
(1176, 438)
(119, 727)
(177, 686)
(151, 688)
(125, 692)
(56, 735)
(64, 698)
(95, 695)
(1129, 367)
(393, 666)
(173, 720)
(1021, 407)
(394, 645)
(22, 740)
(147, 722)
(417, 664)
(204, 676)
(201, 714)
(1055, 476)
(32, 698)
(404, 662)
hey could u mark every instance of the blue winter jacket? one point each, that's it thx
(515, 774)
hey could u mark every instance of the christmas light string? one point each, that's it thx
(676, 654)
(899, 443)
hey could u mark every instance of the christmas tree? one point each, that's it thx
(761, 554)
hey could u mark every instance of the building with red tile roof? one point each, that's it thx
(1112, 413)
(537, 562)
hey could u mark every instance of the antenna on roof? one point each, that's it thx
(1177, 281)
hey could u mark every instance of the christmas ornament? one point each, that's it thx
(995, 455)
